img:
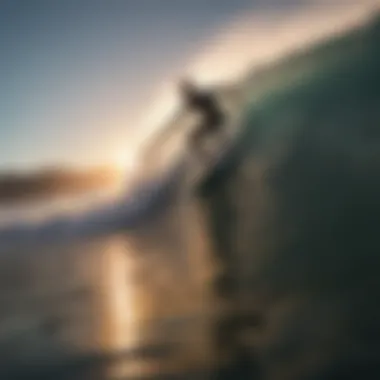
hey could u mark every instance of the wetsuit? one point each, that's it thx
(207, 106)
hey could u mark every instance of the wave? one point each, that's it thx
(124, 213)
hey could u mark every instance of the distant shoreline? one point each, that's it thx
(54, 183)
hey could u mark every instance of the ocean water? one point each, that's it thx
(120, 304)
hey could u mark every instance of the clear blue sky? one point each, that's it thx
(75, 74)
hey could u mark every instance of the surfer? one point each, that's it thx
(207, 106)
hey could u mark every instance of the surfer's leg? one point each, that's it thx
(217, 126)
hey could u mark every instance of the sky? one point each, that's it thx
(79, 77)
